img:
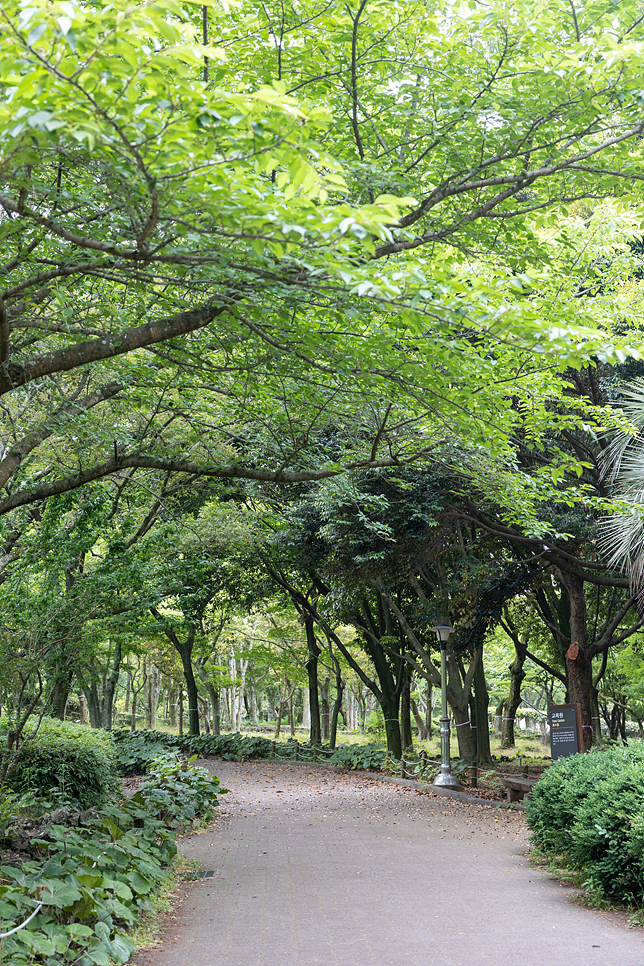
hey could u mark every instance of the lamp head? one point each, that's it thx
(442, 632)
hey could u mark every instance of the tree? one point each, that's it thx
(303, 234)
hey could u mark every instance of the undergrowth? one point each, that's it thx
(96, 882)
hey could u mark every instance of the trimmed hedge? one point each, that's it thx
(76, 762)
(590, 808)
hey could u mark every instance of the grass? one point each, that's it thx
(559, 867)
(148, 930)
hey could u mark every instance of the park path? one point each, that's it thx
(314, 867)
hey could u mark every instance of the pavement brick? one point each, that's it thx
(314, 867)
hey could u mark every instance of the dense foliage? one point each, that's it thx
(590, 809)
(136, 749)
(76, 762)
(96, 881)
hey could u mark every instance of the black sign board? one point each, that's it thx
(565, 730)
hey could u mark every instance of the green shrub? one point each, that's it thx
(135, 750)
(131, 745)
(77, 762)
(362, 757)
(590, 808)
(97, 880)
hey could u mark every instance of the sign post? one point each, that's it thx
(565, 730)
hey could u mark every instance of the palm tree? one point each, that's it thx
(622, 533)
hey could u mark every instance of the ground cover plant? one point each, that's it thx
(590, 809)
(90, 883)
(136, 749)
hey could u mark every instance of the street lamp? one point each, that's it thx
(445, 778)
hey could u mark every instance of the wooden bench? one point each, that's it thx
(519, 788)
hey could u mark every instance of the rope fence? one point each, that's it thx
(3, 935)
(407, 767)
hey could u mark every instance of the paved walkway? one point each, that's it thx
(312, 867)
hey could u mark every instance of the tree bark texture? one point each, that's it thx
(315, 735)
(406, 736)
(578, 659)
(513, 700)
(481, 705)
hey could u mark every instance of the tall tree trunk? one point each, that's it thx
(154, 690)
(315, 735)
(213, 696)
(594, 698)
(578, 659)
(90, 692)
(481, 705)
(291, 717)
(337, 704)
(406, 737)
(60, 693)
(499, 712)
(192, 692)
(390, 708)
(278, 713)
(622, 721)
(420, 724)
(325, 709)
(204, 714)
(459, 700)
(254, 710)
(428, 708)
(111, 684)
(513, 701)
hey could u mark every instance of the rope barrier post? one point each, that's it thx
(297, 750)
(273, 749)
(423, 762)
(475, 776)
(403, 767)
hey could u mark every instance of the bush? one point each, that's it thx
(361, 757)
(590, 808)
(98, 880)
(131, 746)
(77, 762)
(135, 750)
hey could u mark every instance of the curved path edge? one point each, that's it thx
(407, 782)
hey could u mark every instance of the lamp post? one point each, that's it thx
(445, 778)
